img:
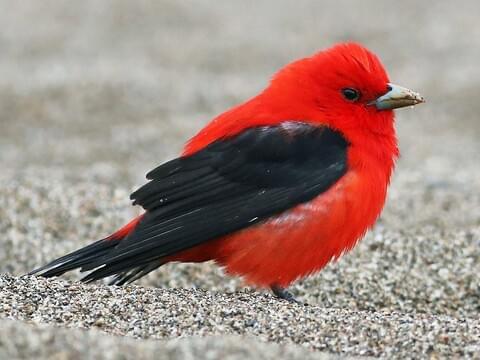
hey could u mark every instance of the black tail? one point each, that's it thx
(80, 258)
(94, 257)
(88, 258)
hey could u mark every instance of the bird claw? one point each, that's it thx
(284, 294)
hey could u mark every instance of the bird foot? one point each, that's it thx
(284, 294)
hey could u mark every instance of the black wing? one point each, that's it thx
(229, 185)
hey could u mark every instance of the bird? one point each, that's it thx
(271, 190)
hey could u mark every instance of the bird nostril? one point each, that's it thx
(389, 88)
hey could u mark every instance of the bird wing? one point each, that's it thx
(231, 184)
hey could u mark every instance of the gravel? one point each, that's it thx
(165, 313)
(102, 91)
(48, 342)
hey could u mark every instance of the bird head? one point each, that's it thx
(345, 87)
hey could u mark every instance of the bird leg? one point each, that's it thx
(284, 294)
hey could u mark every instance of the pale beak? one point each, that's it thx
(397, 97)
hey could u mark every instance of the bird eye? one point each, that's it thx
(351, 94)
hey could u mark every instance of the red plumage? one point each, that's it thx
(333, 222)
(344, 89)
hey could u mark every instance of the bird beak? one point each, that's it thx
(397, 97)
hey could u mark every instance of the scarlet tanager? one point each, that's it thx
(272, 189)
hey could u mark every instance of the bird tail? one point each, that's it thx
(87, 258)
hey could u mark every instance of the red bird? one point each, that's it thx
(274, 188)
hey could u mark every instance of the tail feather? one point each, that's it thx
(80, 258)
(122, 269)
(135, 274)
(92, 257)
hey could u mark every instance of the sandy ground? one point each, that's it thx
(93, 94)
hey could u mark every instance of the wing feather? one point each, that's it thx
(232, 184)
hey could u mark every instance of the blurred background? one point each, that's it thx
(93, 94)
